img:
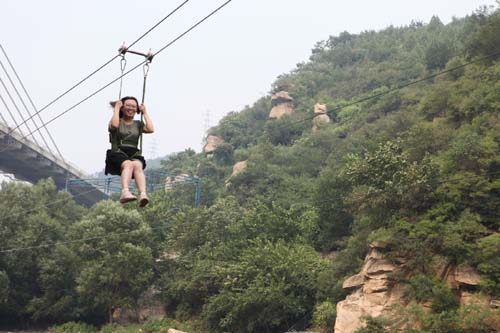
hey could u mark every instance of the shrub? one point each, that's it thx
(324, 316)
(73, 327)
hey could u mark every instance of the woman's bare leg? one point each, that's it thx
(127, 170)
(140, 178)
(140, 181)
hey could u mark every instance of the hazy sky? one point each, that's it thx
(226, 63)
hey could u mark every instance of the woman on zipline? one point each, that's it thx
(125, 158)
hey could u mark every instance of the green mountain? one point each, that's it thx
(398, 166)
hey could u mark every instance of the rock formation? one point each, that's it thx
(373, 295)
(282, 104)
(320, 115)
(212, 142)
(237, 168)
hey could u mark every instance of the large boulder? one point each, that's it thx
(213, 141)
(281, 97)
(239, 167)
(372, 294)
(320, 115)
(282, 104)
(465, 275)
(354, 282)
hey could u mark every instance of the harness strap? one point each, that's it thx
(117, 142)
(145, 70)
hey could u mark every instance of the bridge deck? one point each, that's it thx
(30, 162)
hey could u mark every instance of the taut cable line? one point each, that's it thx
(101, 67)
(23, 103)
(30, 100)
(129, 71)
(398, 87)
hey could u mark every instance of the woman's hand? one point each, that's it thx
(142, 109)
(118, 104)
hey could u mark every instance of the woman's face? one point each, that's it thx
(129, 108)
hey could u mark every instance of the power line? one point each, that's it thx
(398, 87)
(15, 249)
(83, 240)
(129, 71)
(28, 211)
(104, 65)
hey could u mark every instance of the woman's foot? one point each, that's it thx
(127, 196)
(143, 199)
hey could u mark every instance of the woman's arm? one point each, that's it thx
(148, 126)
(115, 119)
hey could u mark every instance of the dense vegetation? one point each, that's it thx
(417, 168)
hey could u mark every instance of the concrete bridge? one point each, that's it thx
(30, 162)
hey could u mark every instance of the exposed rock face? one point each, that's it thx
(212, 142)
(319, 108)
(372, 295)
(467, 276)
(354, 282)
(282, 104)
(495, 304)
(468, 298)
(320, 115)
(239, 167)
(281, 97)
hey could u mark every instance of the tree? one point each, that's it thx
(437, 54)
(269, 286)
(116, 264)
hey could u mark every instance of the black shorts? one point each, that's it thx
(114, 160)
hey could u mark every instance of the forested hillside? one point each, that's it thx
(411, 165)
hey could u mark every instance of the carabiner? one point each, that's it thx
(123, 63)
(145, 68)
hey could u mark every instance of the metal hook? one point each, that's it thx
(145, 68)
(123, 63)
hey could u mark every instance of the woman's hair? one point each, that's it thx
(123, 99)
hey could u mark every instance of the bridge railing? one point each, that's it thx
(155, 180)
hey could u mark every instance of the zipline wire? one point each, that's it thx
(83, 240)
(129, 71)
(101, 67)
